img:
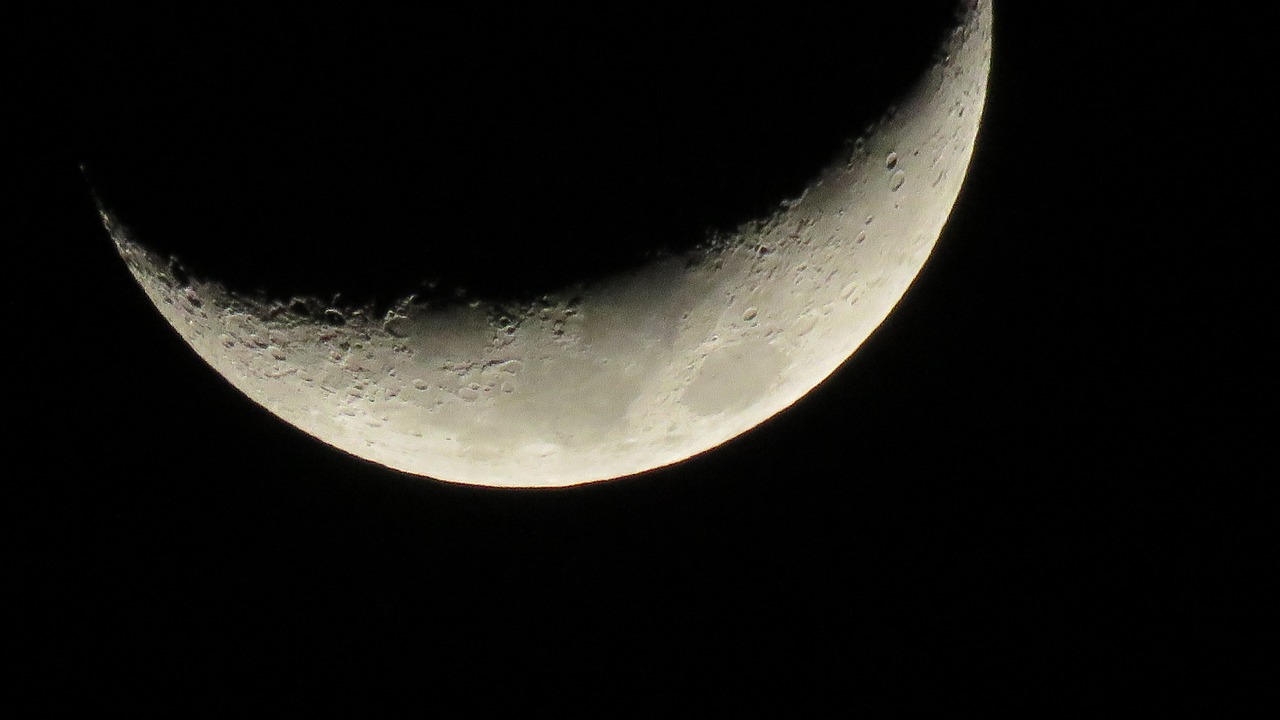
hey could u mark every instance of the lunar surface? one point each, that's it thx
(622, 375)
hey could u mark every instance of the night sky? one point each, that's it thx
(1025, 474)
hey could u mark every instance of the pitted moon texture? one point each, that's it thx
(627, 373)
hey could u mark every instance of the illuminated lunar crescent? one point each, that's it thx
(623, 375)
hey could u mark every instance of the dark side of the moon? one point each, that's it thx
(452, 156)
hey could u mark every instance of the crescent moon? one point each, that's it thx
(623, 375)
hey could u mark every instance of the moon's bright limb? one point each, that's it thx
(630, 374)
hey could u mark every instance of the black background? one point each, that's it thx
(1026, 482)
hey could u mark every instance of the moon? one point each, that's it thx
(620, 375)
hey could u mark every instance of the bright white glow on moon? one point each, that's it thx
(626, 374)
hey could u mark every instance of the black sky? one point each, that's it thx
(1022, 474)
